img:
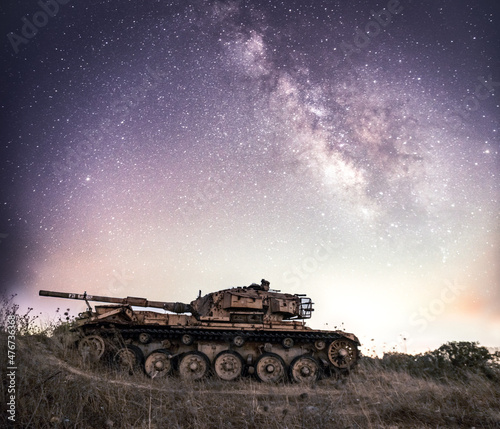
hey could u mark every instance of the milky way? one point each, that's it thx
(347, 151)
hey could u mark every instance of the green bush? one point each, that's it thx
(451, 360)
(464, 354)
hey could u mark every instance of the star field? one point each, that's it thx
(347, 151)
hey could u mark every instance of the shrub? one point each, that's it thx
(29, 323)
(451, 360)
(464, 354)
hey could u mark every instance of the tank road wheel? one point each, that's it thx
(270, 368)
(194, 366)
(128, 358)
(228, 365)
(91, 347)
(304, 369)
(342, 353)
(158, 364)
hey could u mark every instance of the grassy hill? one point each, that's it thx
(54, 389)
(455, 386)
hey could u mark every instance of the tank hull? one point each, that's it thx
(172, 344)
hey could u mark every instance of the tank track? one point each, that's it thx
(221, 335)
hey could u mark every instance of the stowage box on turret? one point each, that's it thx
(232, 332)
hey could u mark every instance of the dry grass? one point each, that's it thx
(56, 390)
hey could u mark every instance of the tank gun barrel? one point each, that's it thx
(175, 307)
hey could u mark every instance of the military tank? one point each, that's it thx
(231, 333)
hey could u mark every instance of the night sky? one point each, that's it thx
(346, 150)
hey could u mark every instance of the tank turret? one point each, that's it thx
(237, 331)
(254, 303)
(250, 304)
